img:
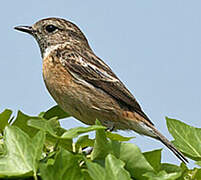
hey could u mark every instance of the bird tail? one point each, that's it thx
(167, 143)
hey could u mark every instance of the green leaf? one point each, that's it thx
(198, 163)
(38, 143)
(74, 132)
(96, 171)
(52, 128)
(117, 137)
(102, 147)
(194, 174)
(21, 122)
(130, 154)
(55, 124)
(43, 125)
(154, 158)
(86, 174)
(170, 168)
(22, 153)
(4, 118)
(198, 174)
(2, 149)
(65, 167)
(162, 175)
(55, 111)
(115, 169)
(84, 141)
(187, 138)
(135, 161)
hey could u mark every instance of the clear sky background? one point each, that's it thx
(153, 46)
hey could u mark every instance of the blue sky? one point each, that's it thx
(153, 46)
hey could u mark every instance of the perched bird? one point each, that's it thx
(83, 85)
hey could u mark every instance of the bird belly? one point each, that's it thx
(80, 99)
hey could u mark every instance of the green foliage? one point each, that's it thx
(187, 138)
(37, 147)
(21, 154)
(4, 119)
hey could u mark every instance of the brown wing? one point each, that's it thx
(93, 70)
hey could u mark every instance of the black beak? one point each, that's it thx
(26, 29)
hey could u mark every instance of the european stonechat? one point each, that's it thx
(83, 85)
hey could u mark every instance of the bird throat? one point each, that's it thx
(49, 50)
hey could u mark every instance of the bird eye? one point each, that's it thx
(50, 28)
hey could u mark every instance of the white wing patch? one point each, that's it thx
(82, 62)
(101, 72)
